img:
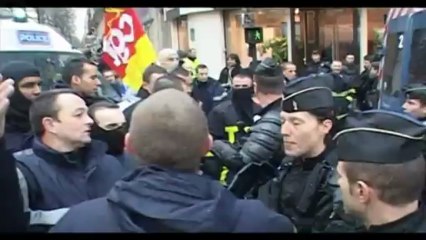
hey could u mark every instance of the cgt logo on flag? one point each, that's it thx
(115, 43)
(126, 48)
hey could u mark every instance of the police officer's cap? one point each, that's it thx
(380, 137)
(308, 93)
(269, 68)
(415, 89)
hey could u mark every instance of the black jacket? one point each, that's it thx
(412, 223)
(303, 190)
(12, 218)
(225, 124)
(224, 74)
(210, 93)
(258, 155)
(225, 115)
(153, 199)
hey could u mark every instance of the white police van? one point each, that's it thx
(25, 40)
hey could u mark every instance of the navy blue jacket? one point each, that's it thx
(127, 161)
(154, 199)
(210, 93)
(55, 180)
(17, 141)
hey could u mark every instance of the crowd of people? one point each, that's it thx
(260, 149)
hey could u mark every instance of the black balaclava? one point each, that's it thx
(243, 102)
(17, 116)
(113, 138)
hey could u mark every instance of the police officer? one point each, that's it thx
(415, 102)
(231, 121)
(301, 189)
(381, 180)
(264, 142)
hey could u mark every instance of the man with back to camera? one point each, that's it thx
(381, 180)
(186, 76)
(63, 150)
(27, 83)
(149, 76)
(264, 141)
(166, 194)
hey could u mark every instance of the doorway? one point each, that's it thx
(334, 32)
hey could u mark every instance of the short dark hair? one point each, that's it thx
(45, 105)
(245, 73)
(74, 67)
(151, 69)
(284, 65)
(235, 57)
(167, 82)
(269, 84)
(200, 66)
(396, 184)
(322, 114)
(421, 97)
(181, 71)
(100, 105)
(103, 70)
(316, 52)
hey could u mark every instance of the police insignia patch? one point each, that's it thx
(295, 106)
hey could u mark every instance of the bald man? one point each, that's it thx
(168, 59)
(166, 194)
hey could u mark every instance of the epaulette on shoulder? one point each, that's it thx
(25, 152)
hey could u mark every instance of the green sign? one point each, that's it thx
(253, 35)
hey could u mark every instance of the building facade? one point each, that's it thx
(333, 31)
(202, 29)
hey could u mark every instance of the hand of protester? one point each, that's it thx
(6, 89)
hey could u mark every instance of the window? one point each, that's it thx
(49, 63)
(271, 20)
(417, 65)
(393, 60)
